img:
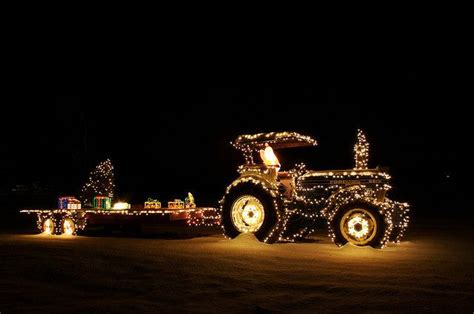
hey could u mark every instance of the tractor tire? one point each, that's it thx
(249, 208)
(359, 223)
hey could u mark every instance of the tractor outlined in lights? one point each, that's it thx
(279, 205)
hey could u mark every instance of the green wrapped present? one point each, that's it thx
(102, 202)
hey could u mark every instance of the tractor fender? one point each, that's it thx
(345, 196)
(257, 180)
(351, 195)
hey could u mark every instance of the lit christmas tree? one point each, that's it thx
(361, 150)
(101, 182)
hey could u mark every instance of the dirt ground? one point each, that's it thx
(431, 271)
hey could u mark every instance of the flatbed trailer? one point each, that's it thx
(74, 221)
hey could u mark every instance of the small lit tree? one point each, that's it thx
(101, 182)
(361, 150)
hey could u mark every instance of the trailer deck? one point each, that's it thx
(72, 221)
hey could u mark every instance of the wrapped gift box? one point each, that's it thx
(121, 205)
(68, 202)
(176, 204)
(102, 202)
(152, 204)
(74, 204)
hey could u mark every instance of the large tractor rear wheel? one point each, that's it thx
(249, 208)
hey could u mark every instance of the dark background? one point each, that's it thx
(171, 140)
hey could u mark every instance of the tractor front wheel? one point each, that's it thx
(360, 224)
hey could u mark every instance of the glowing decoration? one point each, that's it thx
(176, 204)
(62, 201)
(268, 187)
(269, 158)
(68, 202)
(395, 214)
(252, 143)
(361, 150)
(247, 214)
(189, 201)
(358, 226)
(204, 217)
(276, 206)
(59, 221)
(152, 203)
(102, 202)
(48, 226)
(300, 197)
(101, 182)
(121, 205)
(69, 227)
(72, 221)
(74, 204)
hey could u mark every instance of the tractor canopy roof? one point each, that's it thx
(274, 139)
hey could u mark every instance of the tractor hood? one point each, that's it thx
(345, 177)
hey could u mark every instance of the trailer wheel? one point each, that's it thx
(47, 226)
(248, 208)
(68, 227)
(359, 223)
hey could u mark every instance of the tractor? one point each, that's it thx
(289, 205)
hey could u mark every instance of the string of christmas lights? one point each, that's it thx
(361, 150)
(75, 220)
(100, 182)
(251, 143)
(321, 194)
(296, 199)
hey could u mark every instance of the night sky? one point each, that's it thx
(171, 140)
